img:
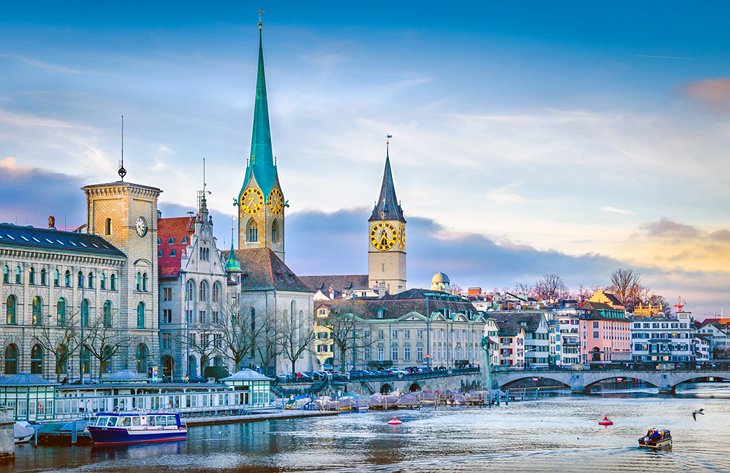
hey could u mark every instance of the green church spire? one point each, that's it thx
(261, 158)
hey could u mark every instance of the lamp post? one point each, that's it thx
(81, 322)
(487, 367)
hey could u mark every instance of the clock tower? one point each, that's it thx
(125, 215)
(261, 201)
(387, 238)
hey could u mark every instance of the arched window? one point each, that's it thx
(216, 292)
(203, 291)
(62, 357)
(275, 232)
(56, 277)
(86, 359)
(67, 278)
(140, 315)
(37, 311)
(31, 275)
(108, 226)
(293, 308)
(80, 281)
(85, 312)
(61, 311)
(11, 306)
(18, 275)
(144, 282)
(102, 281)
(107, 314)
(43, 277)
(36, 359)
(6, 274)
(91, 280)
(141, 357)
(252, 230)
(190, 291)
(139, 281)
(11, 359)
(106, 359)
(113, 282)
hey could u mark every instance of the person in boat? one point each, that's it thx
(655, 436)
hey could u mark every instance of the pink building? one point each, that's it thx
(605, 334)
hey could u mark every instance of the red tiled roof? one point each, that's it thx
(176, 228)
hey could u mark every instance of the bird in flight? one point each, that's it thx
(697, 411)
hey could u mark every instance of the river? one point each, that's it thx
(558, 433)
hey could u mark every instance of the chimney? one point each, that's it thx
(52, 222)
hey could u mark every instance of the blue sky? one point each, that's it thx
(543, 135)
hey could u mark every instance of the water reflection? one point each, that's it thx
(555, 433)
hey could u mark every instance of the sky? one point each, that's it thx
(528, 137)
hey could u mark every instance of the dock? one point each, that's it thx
(286, 414)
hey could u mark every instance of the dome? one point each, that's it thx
(440, 278)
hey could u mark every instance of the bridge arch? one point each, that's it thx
(414, 387)
(617, 377)
(698, 378)
(536, 377)
(386, 388)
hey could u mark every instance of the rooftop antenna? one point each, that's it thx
(122, 172)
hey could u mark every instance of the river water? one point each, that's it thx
(550, 434)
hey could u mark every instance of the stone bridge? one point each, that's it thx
(582, 381)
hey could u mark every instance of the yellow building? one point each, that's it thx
(605, 297)
(323, 349)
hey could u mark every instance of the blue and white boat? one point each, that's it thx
(120, 428)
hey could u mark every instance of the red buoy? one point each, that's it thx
(394, 421)
(605, 421)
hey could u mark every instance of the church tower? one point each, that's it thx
(261, 202)
(387, 237)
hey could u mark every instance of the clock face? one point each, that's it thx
(252, 200)
(383, 236)
(140, 225)
(276, 201)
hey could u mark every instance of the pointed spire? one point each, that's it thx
(232, 263)
(202, 201)
(261, 154)
(387, 207)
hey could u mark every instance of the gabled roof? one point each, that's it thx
(57, 241)
(338, 283)
(529, 321)
(176, 228)
(421, 301)
(387, 207)
(263, 270)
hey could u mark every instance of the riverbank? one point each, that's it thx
(288, 414)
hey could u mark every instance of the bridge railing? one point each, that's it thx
(634, 366)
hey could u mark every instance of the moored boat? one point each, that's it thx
(120, 428)
(656, 439)
(23, 431)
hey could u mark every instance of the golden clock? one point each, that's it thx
(252, 200)
(402, 236)
(276, 201)
(383, 236)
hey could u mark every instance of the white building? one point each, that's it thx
(663, 339)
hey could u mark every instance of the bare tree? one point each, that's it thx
(238, 332)
(294, 336)
(522, 289)
(202, 342)
(348, 335)
(626, 285)
(266, 347)
(550, 287)
(62, 341)
(103, 340)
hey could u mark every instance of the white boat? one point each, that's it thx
(23, 431)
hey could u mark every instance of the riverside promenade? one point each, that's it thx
(263, 416)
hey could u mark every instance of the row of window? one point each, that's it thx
(42, 278)
(203, 292)
(63, 357)
(11, 310)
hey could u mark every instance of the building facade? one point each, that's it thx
(605, 333)
(662, 339)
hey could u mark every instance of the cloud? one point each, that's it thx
(615, 210)
(666, 228)
(46, 66)
(30, 195)
(720, 235)
(714, 93)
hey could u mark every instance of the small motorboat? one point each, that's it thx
(120, 428)
(394, 421)
(23, 431)
(605, 421)
(656, 439)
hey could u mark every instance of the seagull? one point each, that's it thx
(697, 411)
